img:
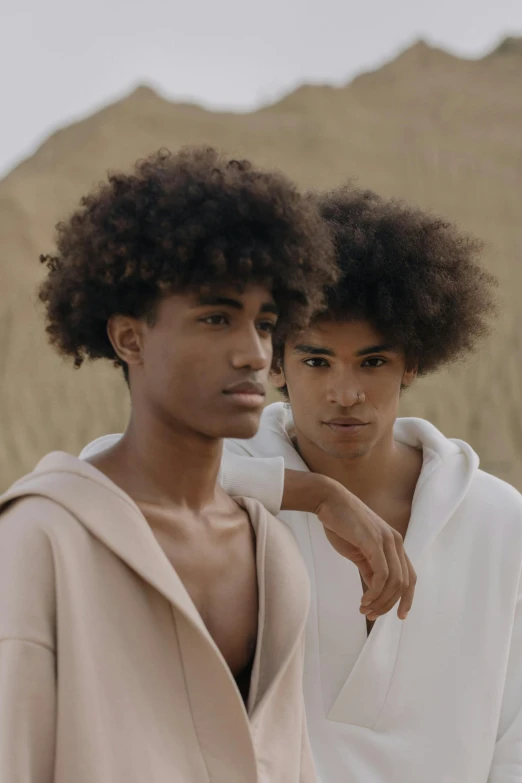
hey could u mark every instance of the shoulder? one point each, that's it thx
(278, 556)
(490, 491)
(25, 519)
(31, 518)
(31, 530)
(493, 509)
(27, 570)
(273, 529)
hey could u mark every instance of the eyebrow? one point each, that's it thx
(314, 350)
(235, 304)
(317, 350)
(383, 348)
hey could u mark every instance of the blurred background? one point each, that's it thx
(414, 99)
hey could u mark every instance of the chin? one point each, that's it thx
(353, 451)
(243, 427)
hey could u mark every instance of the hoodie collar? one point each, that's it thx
(112, 517)
(93, 498)
(449, 466)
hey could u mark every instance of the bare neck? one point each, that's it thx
(161, 464)
(385, 475)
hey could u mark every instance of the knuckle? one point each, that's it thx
(380, 581)
(377, 536)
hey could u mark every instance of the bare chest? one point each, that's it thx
(218, 569)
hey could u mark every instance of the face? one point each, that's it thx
(344, 383)
(203, 365)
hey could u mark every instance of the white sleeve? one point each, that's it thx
(261, 478)
(507, 759)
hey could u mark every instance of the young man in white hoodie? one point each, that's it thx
(437, 699)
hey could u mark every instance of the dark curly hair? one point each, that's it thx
(413, 276)
(182, 222)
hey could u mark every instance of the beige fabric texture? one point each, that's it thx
(107, 672)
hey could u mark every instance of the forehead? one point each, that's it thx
(340, 336)
(256, 296)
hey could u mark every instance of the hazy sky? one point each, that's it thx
(61, 59)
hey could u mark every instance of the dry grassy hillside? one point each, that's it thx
(436, 130)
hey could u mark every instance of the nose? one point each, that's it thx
(344, 390)
(251, 350)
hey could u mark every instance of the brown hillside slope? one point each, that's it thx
(428, 127)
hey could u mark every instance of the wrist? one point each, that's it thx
(311, 492)
(323, 491)
(332, 496)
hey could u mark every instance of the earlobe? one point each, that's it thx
(277, 376)
(409, 377)
(125, 336)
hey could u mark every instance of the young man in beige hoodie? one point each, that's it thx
(152, 628)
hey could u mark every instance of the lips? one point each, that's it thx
(247, 387)
(346, 427)
(347, 422)
(246, 395)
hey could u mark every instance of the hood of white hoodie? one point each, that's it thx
(449, 468)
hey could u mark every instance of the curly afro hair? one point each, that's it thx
(413, 276)
(182, 222)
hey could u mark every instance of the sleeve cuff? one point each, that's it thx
(261, 478)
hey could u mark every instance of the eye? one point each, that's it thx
(215, 320)
(374, 361)
(267, 326)
(316, 362)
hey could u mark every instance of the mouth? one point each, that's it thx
(348, 426)
(247, 394)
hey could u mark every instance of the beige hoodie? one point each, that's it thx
(107, 672)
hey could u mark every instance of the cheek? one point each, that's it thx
(307, 394)
(385, 396)
(173, 366)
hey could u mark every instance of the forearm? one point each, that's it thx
(309, 492)
(357, 533)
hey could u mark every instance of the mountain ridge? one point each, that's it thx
(436, 130)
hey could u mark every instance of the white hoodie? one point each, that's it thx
(434, 699)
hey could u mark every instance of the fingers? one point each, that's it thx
(399, 584)
(380, 573)
(405, 573)
(395, 577)
(366, 573)
(385, 608)
(407, 599)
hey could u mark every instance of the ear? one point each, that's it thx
(410, 374)
(126, 336)
(277, 375)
